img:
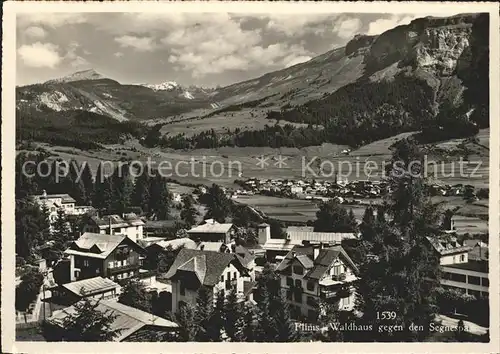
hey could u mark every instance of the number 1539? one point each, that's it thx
(386, 315)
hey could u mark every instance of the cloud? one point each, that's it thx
(35, 32)
(39, 55)
(118, 54)
(51, 19)
(347, 28)
(140, 44)
(384, 24)
(292, 60)
(75, 60)
(293, 24)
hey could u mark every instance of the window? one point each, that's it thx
(298, 283)
(346, 301)
(222, 278)
(234, 275)
(298, 270)
(182, 288)
(458, 277)
(131, 274)
(86, 262)
(311, 301)
(119, 276)
(97, 271)
(124, 262)
(289, 281)
(118, 263)
(462, 258)
(111, 264)
(337, 270)
(310, 286)
(485, 282)
(474, 280)
(289, 295)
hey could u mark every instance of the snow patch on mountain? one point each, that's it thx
(188, 95)
(53, 100)
(164, 86)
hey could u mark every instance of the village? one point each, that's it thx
(113, 251)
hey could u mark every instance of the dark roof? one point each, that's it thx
(318, 266)
(197, 262)
(478, 266)
(243, 255)
(296, 250)
(321, 264)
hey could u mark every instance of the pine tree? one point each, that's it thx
(187, 327)
(98, 200)
(160, 197)
(122, 189)
(203, 313)
(61, 232)
(216, 323)
(367, 227)
(189, 212)
(285, 329)
(141, 195)
(232, 312)
(333, 217)
(85, 324)
(134, 294)
(218, 205)
(88, 183)
(404, 277)
(77, 188)
(248, 330)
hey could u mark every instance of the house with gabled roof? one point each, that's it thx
(312, 274)
(111, 256)
(128, 224)
(212, 231)
(135, 325)
(195, 268)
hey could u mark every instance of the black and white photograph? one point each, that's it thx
(278, 174)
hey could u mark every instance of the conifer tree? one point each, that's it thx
(75, 183)
(203, 313)
(61, 232)
(219, 206)
(160, 197)
(134, 294)
(232, 312)
(187, 326)
(285, 329)
(85, 324)
(216, 323)
(88, 183)
(189, 212)
(122, 189)
(141, 195)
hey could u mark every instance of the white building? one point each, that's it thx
(129, 225)
(459, 271)
(215, 270)
(313, 274)
(471, 277)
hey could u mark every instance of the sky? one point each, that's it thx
(203, 49)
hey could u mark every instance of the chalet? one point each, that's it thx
(95, 288)
(449, 250)
(109, 256)
(212, 231)
(312, 274)
(194, 268)
(135, 325)
(129, 225)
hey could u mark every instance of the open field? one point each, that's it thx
(224, 165)
(244, 120)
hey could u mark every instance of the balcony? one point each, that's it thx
(121, 269)
(338, 279)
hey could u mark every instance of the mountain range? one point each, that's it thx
(393, 81)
